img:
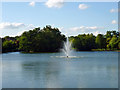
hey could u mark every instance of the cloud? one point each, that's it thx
(28, 27)
(114, 22)
(32, 3)
(13, 29)
(20, 33)
(83, 6)
(85, 29)
(54, 3)
(8, 25)
(74, 31)
(60, 28)
(97, 32)
(113, 10)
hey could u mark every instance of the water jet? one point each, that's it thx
(67, 47)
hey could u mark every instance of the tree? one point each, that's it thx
(113, 43)
(84, 42)
(50, 39)
(8, 45)
(108, 34)
(100, 41)
(119, 45)
(47, 39)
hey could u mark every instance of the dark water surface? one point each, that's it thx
(52, 70)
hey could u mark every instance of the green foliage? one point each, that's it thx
(100, 41)
(8, 46)
(47, 39)
(114, 43)
(50, 39)
(84, 42)
(110, 34)
(110, 41)
(119, 45)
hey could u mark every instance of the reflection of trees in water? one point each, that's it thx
(43, 72)
(68, 72)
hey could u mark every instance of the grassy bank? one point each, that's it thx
(104, 50)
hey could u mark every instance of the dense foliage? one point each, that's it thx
(50, 39)
(84, 42)
(47, 39)
(10, 44)
(109, 41)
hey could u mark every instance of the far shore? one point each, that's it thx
(104, 50)
(93, 50)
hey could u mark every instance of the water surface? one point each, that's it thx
(48, 70)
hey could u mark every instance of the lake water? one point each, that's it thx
(52, 70)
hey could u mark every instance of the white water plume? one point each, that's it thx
(67, 47)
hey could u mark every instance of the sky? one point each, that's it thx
(72, 18)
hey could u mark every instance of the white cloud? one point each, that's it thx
(113, 10)
(74, 31)
(61, 28)
(13, 29)
(32, 3)
(114, 22)
(85, 29)
(28, 27)
(96, 33)
(20, 33)
(83, 6)
(54, 3)
(8, 25)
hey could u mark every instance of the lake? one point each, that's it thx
(53, 70)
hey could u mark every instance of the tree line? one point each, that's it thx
(88, 42)
(50, 39)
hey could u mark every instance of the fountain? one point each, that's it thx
(67, 50)
(67, 47)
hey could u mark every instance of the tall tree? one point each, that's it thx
(8, 46)
(114, 42)
(47, 39)
(100, 41)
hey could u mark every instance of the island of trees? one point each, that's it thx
(50, 39)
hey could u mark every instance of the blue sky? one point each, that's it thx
(72, 18)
